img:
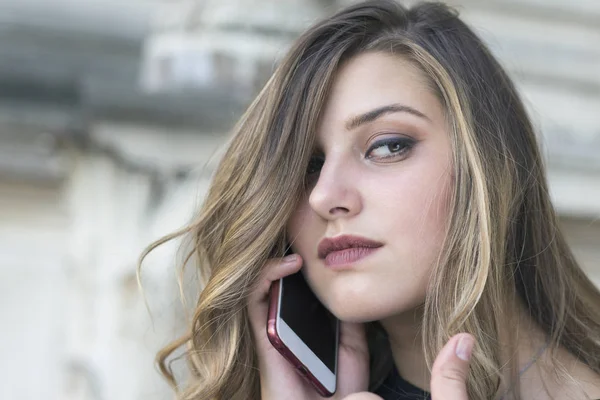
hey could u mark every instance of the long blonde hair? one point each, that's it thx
(503, 245)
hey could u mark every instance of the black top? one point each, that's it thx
(396, 388)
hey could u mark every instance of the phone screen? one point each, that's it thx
(309, 319)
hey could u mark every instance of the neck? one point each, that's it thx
(404, 333)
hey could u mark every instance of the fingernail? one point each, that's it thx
(291, 259)
(465, 347)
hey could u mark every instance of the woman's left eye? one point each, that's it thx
(390, 148)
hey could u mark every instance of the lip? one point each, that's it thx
(345, 249)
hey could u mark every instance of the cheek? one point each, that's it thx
(297, 225)
(415, 222)
(430, 207)
(415, 203)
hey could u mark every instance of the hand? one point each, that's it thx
(278, 378)
(451, 368)
(449, 372)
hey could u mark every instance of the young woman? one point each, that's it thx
(398, 129)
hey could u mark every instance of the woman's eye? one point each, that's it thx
(390, 148)
(314, 167)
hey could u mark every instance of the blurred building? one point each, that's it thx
(112, 115)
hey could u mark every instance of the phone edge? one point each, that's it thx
(276, 341)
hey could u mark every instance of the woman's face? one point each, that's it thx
(379, 187)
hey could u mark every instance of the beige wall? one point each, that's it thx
(32, 289)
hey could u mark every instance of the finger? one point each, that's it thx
(275, 269)
(354, 337)
(451, 368)
(353, 358)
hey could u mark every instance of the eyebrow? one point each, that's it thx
(372, 115)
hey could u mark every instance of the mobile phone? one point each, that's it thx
(304, 332)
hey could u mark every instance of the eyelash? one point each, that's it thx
(316, 162)
(406, 145)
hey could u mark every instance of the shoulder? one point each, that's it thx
(590, 383)
(585, 380)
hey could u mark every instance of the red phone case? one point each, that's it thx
(281, 347)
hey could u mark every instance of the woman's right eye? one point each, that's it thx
(314, 167)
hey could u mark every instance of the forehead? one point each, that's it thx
(371, 80)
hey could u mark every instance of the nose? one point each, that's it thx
(336, 193)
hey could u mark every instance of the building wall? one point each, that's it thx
(32, 286)
(70, 237)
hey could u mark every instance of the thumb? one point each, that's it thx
(451, 368)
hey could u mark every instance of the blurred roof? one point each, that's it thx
(77, 59)
(66, 61)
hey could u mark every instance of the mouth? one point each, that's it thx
(345, 249)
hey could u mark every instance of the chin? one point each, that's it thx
(363, 312)
(365, 301)
(361, 309)
(356, 316)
